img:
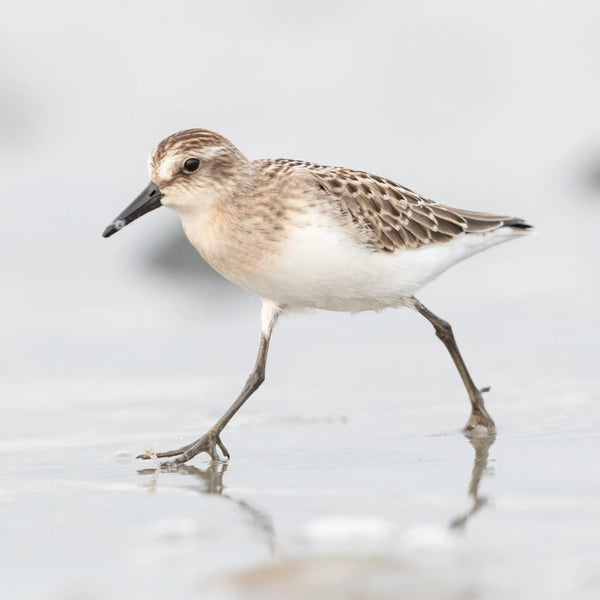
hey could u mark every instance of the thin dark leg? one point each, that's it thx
(208, 442)
(479, 415)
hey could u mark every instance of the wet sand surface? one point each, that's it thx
(349, 478)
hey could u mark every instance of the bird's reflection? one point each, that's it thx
(210, 481)
(482, 447)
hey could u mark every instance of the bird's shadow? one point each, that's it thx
(482, 446)
(210, 481)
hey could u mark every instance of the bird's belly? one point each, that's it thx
(323, 267)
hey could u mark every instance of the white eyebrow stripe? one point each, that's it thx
(209, 152)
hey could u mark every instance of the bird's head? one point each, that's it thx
(189, 172)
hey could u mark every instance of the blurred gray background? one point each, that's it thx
(109, 344)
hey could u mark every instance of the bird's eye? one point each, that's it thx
(191, 165)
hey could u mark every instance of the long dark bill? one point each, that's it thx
(148, 200)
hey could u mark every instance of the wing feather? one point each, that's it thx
(392, 216)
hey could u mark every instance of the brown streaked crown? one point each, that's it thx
(186, 140)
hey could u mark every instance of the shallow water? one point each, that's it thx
(333, 491)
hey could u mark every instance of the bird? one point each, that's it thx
(306, 236)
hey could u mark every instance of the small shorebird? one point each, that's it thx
(301, 235)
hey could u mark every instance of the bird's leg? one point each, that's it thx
(212, 438)
(479, 415)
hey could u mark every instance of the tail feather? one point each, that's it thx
(517, 223)
(477, 222)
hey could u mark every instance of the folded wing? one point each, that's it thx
(393, 217)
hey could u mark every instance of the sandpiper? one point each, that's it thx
(302, 235)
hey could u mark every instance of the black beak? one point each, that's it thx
(148, 200)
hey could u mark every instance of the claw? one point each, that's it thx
(223, 449)
(480, 419)
(148, 453)
(207, 443)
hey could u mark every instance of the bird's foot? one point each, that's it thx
(207, 443)
(480, 422)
